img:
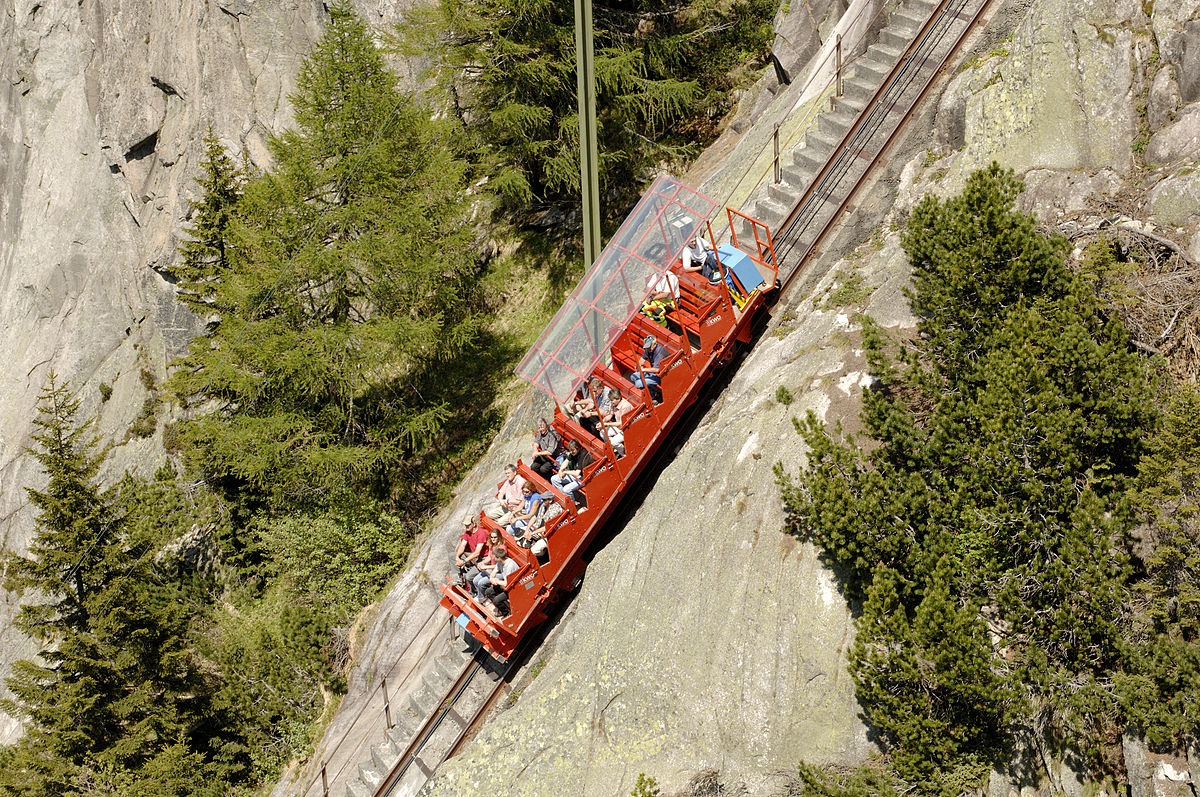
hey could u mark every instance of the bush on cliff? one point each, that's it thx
(1005, 441)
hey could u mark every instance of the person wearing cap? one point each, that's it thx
(699, 256)
(653, 354)
(664, 296)
(471, 545)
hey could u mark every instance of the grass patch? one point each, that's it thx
(853, 290)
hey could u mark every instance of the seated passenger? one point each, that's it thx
(547, 446)
(663, 298)
(495, 595)
(699, 256)
(472, 545)
(653, 354)
(483, 564)
(621, 405)
(570, 477)
(508, 498)
(616, 434)
(531, 506)
(589, 416)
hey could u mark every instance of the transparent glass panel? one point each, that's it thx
(648, 243)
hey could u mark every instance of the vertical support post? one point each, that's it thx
(589, 160)
(387, 703)
(778, 176)
(838, 88)
(324, 781)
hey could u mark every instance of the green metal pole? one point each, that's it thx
(589, 160)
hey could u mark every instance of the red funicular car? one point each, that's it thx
(599, 332)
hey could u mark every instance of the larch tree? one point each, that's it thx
(347, 295)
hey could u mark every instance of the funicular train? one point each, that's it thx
(598, 334)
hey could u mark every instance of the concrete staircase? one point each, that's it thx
(408, 717)
(801, 165)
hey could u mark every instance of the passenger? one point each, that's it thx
(603, 407)
(483, 564)
(575, 406)
(653, 354)
(589, 416)
(570, 477)
(663, 298)
(531, 506)
(472, 545)
(496, 593)
(621, 405)
(547, 446)
(616, 432)
(699, 256)
(508, 498)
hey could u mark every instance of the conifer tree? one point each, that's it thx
(664, 73)
(1006, 439)
(204, 255)
(114, 685)
(348, 290)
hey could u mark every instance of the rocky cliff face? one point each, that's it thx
(103, 106)
(704, 638)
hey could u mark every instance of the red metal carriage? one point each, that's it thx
(598, 333)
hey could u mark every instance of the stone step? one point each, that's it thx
(810, 159)
(880, 53)
(770, 212)
(356, 788)
(783, 194)
(369, 775)
(448, 665)
(919, 8)
(896, 36)
(874, 69)
(847, 105)
(384, 756)
(819, 141)
(797, 177)
(836, 124)
(908, 19)
(861, 87)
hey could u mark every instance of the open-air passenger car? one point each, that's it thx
(598, 333)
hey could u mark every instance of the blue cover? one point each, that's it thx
(742, 266)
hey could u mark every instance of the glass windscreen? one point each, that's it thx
(648, 243)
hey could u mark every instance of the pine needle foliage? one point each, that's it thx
(1006, 441)
(345, 296)
(114, 688)
(665, 74)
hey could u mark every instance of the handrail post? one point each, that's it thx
(839, 65)
(777, 173)
(387, 703)
(324, 781)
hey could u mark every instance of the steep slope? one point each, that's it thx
(699, 640)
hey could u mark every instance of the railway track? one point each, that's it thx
(824, 189)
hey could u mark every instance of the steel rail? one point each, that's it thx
(907, 114)
(350, 759)
(471, 667)
(821, 186)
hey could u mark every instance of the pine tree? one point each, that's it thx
(664, 75)
(1006, 439)
(114, 683)
(349, 291)
(204, 255)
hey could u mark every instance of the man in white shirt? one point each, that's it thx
(699, 256)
